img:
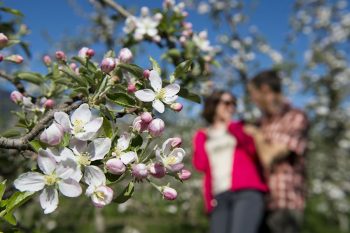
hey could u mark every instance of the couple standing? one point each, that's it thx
(253, 174)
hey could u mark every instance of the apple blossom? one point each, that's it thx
(131, 88)
(171, 157)
(47, 60)
(185, 174)
(156, 127)
(120, 151)
(80, 124)
(61, 56)
(52, 135)
(159, 95)
(107, 64)
(177, 107)
(139, 171)
(157, 170)
(82, 52)
(115, 166)
(169, 193)
(146, 117)
(146, 74)
(55, 176)
(3, 40)
(16, 97)
(125, 55)
(139, 125)
(99, 193)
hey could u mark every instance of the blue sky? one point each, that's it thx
(57, 18)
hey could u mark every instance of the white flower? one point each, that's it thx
(120, 150)
(55, 176)
(159, 95)
(83, 154)
(202, 42)
(146, 26)
(80, 124)
(171, 157)
(100, 194)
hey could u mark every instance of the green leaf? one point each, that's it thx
(126, 194)
(10, 218)
(182, 68)
(32, 77)
(134, 69)
(107, 113)
(10, 133)
(122, 99)
(37, 144)
(72, 74)
(137, 141)
(15, 201)
(110, 53)
(11, 11)
(2, 188)
(107, 127)
(86, 63)
(81, 90)
(184, 93)
(155, 65)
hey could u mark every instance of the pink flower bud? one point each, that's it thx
(16, 97)
(146, 117)
(187, 25)
(103, 195)
(18, 59)
(176, 142)
(185, 174)
(60, 56)
(131, 88)
(115, 166)
(1, 57)
(3, 40)
(139, 171)
(73, 66)
(185, 14)
(182, 40)
(138, 125)
(157, 170)
(47, 60)
(177, 107)
(90, 53)
(52, 135)
(125, 55)
(82, 52)
(49, 103)
(169, 193)
(146, 74)
(156, 127)
(157, 38)
(107, 64)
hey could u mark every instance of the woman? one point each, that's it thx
(233, 185)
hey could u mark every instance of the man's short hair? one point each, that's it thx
(271, 78)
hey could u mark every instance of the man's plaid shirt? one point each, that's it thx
(286, 179)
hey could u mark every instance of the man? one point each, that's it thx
(281, 143)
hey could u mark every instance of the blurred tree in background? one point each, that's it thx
(321, 79)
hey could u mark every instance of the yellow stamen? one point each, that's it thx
(51, 179)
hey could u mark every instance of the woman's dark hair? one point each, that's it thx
(271, 78)
(211, 102)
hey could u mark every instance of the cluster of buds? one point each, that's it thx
(186, 32)
(15, 58)
(108, 64)
(145, 122)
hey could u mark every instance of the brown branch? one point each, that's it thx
(117, 7)
(22, 143)
(12, 80)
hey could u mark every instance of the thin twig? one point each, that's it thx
(117, 7)
(22, 143)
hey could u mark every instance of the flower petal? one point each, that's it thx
(62, 119)
(128, 157)
(94, 176)
(170, 100)
(178, 153)
(82, 113)
(94, 125)
(30, 181)
(123, 141)
(171, 89)
(66, 168)
(156, 81)
(158, 105)
(166, 147)
(145, 95)
(70, 188)
(78, 146)
(46, 162)
(49, 200)
(98, 148)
